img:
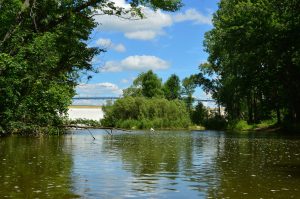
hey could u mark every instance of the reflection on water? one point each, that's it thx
(35, 168)
(205, 164)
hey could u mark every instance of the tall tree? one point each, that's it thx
(43, 51)
(172, 88)
(199, 114)
(188, 90)
(151, 85)
(254, 53)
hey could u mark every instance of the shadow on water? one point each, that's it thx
(35, 168)
(258, 165)
(289, 169)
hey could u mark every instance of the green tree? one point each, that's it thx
(199, 114)
(43, 51)
(146, 84)
(151, 84)
(188, 90)
(254, 59)
(172, 88)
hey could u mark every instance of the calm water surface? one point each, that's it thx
(200, 164)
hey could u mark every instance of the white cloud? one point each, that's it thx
(119, 48)
(98, 89)
(194, 16)
(142, 35)
(137, 63)
(151, 26)
(104, 42)
(142, 29)
(108, 44)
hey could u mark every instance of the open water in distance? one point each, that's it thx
(173, 164)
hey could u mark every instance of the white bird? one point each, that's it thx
(152, 129)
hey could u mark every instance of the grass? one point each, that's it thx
(242, 125)
(196, 128)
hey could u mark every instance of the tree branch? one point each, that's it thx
(33, 15)
(18, 20)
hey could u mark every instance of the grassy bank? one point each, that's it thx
(243, 125)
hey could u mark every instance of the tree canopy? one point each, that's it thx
(43, 51)
(172, 87)
(147, 84)
(254, 59)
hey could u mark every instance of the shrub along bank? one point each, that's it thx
(145, 113)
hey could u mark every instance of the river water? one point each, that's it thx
(197, 164)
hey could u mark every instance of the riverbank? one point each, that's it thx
(264, 126)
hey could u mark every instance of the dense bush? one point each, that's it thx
(144, 113)
(216, 122)
(199, 114)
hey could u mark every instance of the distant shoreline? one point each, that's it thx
(85, 106)
(85, 112)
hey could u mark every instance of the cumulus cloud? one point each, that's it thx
(194, 16)
(142, 29)
(119, 48)
(108, 44)
(98, 89)
(151, 26)
(142, 35)
(137, 63)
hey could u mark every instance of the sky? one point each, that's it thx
(168, 43)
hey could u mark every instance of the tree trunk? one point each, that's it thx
(250, 109)
(256, 119)
(278, 114)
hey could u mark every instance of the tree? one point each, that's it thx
(188, 90)
(146, 84)
(254, 53)
(172, 88)
(199, 114)
(43, 51)
(151, 84)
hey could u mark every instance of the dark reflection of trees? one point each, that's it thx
(252, 168)
(185, 158)
(34, 168)
(149, 154)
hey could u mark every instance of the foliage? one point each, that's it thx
(254, 58)
(216, 122)
(199, 115)
(188, 90)
(243, 125)
(172, 88)
(43, 51)
(146, 84)
(144, 113)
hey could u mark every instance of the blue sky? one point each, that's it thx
(165, 42)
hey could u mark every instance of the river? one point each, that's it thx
(197, 164)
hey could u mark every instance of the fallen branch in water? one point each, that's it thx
(78, 126)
